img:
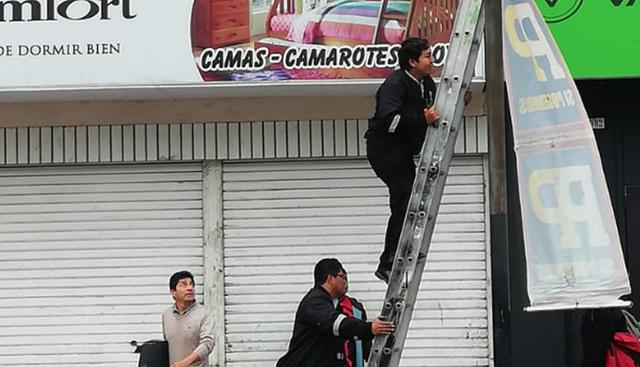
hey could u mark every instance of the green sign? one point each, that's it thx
(598, 38)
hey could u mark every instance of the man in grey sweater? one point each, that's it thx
(187, 326)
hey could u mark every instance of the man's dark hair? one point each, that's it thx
(326, 267)
(175, 278)
(411, 49)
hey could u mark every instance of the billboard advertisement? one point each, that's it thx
(599, 39)
(572, 248)
(75, 43)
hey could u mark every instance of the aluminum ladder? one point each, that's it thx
(435, 158)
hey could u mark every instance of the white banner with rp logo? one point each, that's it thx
(572, 247)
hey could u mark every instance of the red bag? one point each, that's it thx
(624, 351)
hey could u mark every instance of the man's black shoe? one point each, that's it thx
(383, 275)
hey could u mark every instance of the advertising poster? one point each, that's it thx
(572, 248)
(314, 39)
(75, 43)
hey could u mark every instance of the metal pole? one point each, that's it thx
(495, 102)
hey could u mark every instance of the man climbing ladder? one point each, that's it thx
(404, 107)
(405, 271)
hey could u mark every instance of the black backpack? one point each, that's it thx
(153, 353)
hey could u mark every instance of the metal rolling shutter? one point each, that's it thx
(280, 218)
(85, 257)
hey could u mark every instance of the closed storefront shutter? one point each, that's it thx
(85, 257)
(280, 218)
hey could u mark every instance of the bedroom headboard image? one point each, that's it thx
(431, 19)
(280, 9)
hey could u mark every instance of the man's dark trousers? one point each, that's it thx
(393, 163)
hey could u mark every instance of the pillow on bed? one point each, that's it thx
(282, 22)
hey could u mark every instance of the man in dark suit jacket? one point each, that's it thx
(404, 109)
(320, 327)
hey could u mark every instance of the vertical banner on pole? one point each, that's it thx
(572, 248)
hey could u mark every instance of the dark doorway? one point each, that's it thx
(632, 219)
